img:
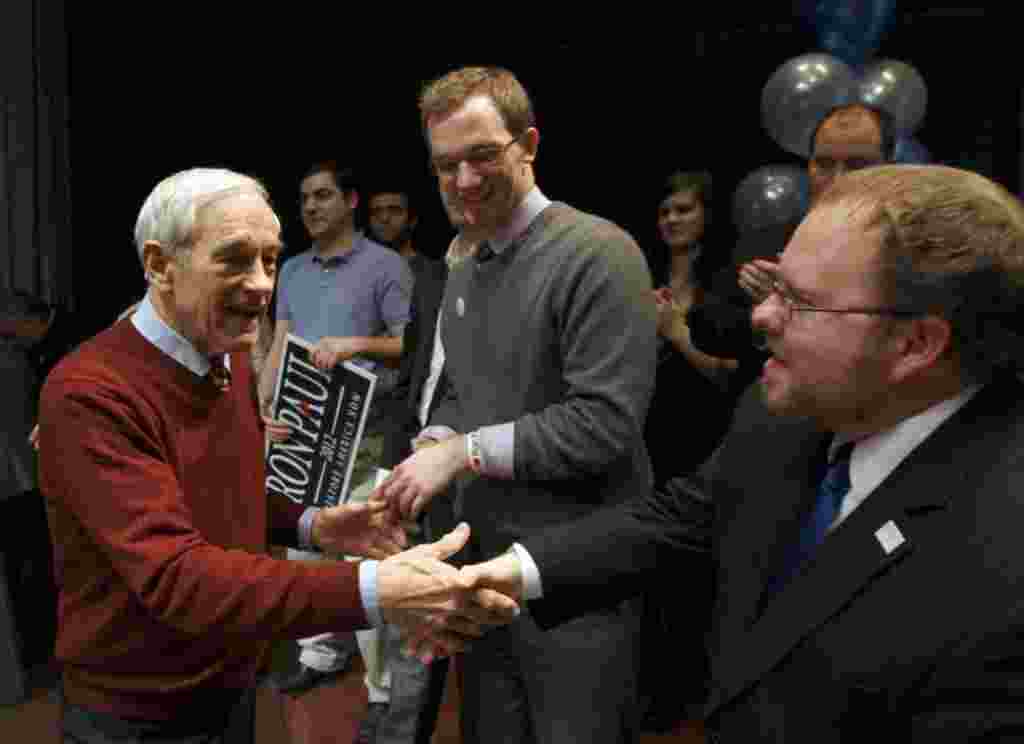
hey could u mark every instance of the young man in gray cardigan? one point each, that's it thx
(548, 333)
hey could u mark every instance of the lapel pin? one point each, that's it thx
(889, 537)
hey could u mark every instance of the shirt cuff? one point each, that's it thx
(368, 592)
(498, 450)
(532, 587)
(306, 528)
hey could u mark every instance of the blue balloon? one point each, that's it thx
(909, 151)
(852, 29)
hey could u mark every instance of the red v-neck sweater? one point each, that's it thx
(154, 484)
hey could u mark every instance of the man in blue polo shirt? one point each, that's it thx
(349, 296)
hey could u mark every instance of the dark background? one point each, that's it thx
(618, 108)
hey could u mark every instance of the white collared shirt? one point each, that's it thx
(169, 341)
(875, 457)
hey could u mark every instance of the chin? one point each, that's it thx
(229, 344)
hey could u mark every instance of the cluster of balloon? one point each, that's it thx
(804, 89)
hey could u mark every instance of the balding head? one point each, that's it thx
(849, 138)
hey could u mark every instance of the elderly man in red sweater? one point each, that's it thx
(154, 484)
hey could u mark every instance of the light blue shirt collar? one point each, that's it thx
(358, 239)
(532, 204)
(169, 341)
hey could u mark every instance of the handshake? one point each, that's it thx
(439, 608)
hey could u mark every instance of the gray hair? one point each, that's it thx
(168, 215)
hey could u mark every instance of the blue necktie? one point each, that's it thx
(831, 491)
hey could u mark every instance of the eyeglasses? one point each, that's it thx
(790, 304)
(479, 158)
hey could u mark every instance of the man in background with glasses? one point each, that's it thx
(867, 540)
(849, 138)
(548, 336)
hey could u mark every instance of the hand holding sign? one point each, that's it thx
(331, 351)
(315, 427)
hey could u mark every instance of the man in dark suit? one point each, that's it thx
(884, 597)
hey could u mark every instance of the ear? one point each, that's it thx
(530, 141)
(922, 346)
(159, 265)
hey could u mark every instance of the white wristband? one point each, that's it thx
(473, 452)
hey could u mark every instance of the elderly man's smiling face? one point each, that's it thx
(218, 289)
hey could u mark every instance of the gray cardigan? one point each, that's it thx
(557, 333)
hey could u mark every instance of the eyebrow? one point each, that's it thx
(471, 149)
(240, 245)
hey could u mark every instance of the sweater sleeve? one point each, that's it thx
(607, 335)
(106, 466)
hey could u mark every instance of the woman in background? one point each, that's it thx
(689, 414)
(693, 397)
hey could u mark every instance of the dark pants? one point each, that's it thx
(195, 726)
(573, 683)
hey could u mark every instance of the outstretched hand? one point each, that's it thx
(421, 476)
(364, 529)
(437, 611)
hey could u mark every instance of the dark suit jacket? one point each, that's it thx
(921, 643)
(417, 350)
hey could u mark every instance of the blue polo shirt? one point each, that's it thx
(365, 292)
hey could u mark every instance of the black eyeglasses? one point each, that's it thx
(479, 158)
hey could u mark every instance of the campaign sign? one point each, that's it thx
(327, 411)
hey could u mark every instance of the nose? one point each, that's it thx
(259, 284)
(465, 176)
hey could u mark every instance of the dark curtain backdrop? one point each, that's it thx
(619, 107)
(35, 173)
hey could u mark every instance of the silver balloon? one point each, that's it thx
(897, 88)
(770, 196)
(799, 94)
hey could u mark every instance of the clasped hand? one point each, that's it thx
(437, 608)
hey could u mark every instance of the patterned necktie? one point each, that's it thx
(831, 491)
(484, 252)
(219, 374)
